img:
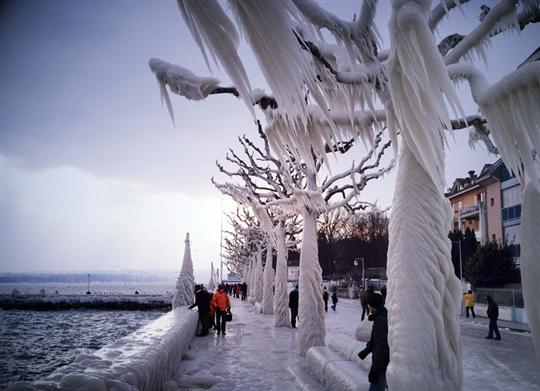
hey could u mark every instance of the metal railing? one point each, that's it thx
(503, 297)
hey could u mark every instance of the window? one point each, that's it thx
(492, 201)
(511, 196)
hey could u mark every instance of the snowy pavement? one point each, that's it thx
(254, 355)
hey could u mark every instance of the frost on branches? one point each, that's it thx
(183, 294)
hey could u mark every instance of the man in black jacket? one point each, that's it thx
(493, 315)
(293, 305)
(202, 301)
(378, 343)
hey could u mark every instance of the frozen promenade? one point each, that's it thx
(256, 356)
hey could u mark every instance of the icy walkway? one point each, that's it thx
(256, 356)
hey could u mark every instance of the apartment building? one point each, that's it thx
(489, 204)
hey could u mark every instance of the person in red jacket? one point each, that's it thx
(221, 302)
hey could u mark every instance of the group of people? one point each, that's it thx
(236, 290)
(212, 308)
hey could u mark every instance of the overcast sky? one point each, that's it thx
(93, 174)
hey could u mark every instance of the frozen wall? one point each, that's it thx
(143, 360)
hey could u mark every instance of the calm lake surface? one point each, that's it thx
(34, 343)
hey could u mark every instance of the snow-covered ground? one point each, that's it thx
(255, 355)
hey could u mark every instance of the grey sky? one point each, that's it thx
(93, 175)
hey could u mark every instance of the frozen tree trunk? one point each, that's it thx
(211, 283)
(425, 351)
(310, 308)
(281, 295)
(530, 265)
(252, 271)
(259, 278)
(268, 289)
(184, 284)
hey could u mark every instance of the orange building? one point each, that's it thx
(489, 204)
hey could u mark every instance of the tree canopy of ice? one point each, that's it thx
(143, 360)
(281, 295)
(181, 81)
(268, 288)
(183, 294)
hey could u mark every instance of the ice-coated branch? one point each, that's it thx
(479, 131)
(504, 9)
(442, 9)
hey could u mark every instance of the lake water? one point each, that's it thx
(34, 343)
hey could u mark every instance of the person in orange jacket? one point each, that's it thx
(221, 302)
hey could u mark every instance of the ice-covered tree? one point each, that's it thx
(412, 82)
(212, 284)
(183, 295)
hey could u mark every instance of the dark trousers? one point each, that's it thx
(472, 311)
(243, 296)
(205, 324)
(326, 305)
(493, 328)
(220, 320)
(294, 315)
(364, 312)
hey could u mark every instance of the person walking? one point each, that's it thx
(202, 301)
(363, 302)
(378, 343)
(222, 304)
(293, 305)
(469, 303)
(244, 291)
(334, 300)
(493, 315)
(383, 294)
(325, 299)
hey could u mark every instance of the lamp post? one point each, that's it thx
(88, 289)
(356, 264)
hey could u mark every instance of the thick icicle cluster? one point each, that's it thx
(185, 282)
(258, 280)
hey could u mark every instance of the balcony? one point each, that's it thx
(469, 211)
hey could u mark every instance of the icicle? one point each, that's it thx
(213, 30)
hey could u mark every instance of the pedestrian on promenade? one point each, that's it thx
(469, 303)
(493, 315)
(383, 294)
(222, 304)
(334, 300)
(378, 343)
(244, 291)
(237, 291)
(212, 312)
(202, 301)
(363, 302)
(293, 305)
(325, 299)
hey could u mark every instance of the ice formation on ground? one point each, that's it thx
(184, 284)
(268, 288)
(143, 360)
(211, 284)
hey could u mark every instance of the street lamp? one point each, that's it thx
(88, 290)
(356, 264)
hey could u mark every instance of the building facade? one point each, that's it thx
(489, 204)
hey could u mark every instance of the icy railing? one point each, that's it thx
(143, 360)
